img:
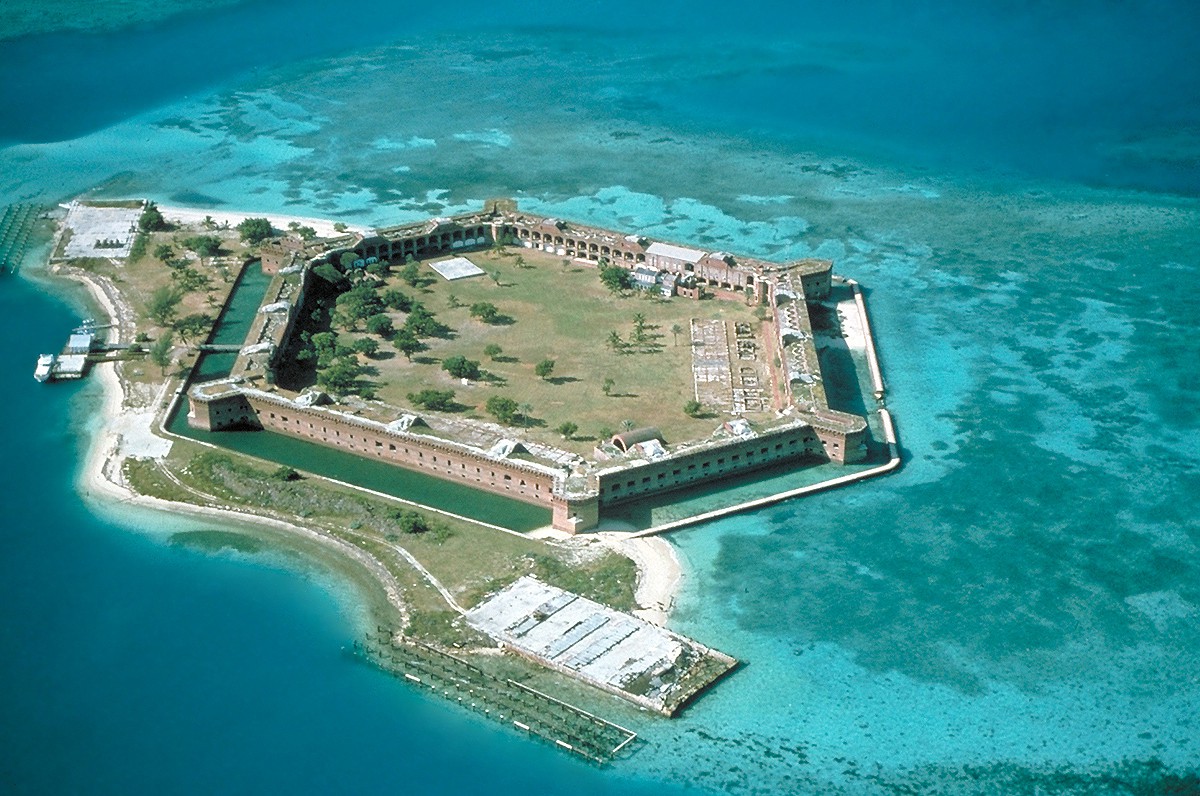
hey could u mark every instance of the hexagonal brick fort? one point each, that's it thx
(801, 424)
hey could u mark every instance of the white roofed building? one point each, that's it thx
(79, 343)
(668, 257)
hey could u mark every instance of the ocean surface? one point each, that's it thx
(1016, 185)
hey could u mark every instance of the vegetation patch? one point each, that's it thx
(470, 560)
(609, 579)
(545, 344)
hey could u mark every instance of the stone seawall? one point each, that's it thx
(714, 461)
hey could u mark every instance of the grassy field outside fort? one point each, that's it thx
(469, 559)
(551, 309)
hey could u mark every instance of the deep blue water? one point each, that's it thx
(1017, 185)
(135, 666)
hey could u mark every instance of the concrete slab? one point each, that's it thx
(101, 231)
(456, 268)
(618, 652)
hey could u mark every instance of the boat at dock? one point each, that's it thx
(45, 367)
(72, 362)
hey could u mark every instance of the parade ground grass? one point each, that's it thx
(551, 308)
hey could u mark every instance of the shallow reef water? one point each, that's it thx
(1017, 610)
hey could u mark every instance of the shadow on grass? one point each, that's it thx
(453, 407)
(562, 379)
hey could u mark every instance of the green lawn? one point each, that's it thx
(564, 313)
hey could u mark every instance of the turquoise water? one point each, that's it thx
(1016, 611)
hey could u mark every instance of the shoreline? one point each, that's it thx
(100, 477)
(660, 573)
(124, 426)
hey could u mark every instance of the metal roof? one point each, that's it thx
(677, 252)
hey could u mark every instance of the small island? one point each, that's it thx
(455, 412)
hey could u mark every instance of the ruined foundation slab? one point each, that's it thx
(616, 651)
(456, 268)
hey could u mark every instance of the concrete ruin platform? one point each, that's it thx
(456, 268)
(100, 231)
(610, 649)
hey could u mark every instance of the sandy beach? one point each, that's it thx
(190, 216)
(659, 572)
(126, 430)
(101, 478)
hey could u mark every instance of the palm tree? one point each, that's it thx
(526, 409)
(627, 424)
(614, 341)
(639, 327)
(676, 330)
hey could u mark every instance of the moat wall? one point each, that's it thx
(233, 407)
(238, 408)
(725, 459)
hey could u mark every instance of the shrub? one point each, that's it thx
(410, 521)
(151, 219)
(461, 368)
(437, 400)
(485, 311)
(501, 408)
(407, 343)
(366, 345)
(380, 324)
(254, 230)
(616, 278)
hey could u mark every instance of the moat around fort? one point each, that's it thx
(744, 392)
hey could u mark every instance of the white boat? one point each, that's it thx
(45, 367)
